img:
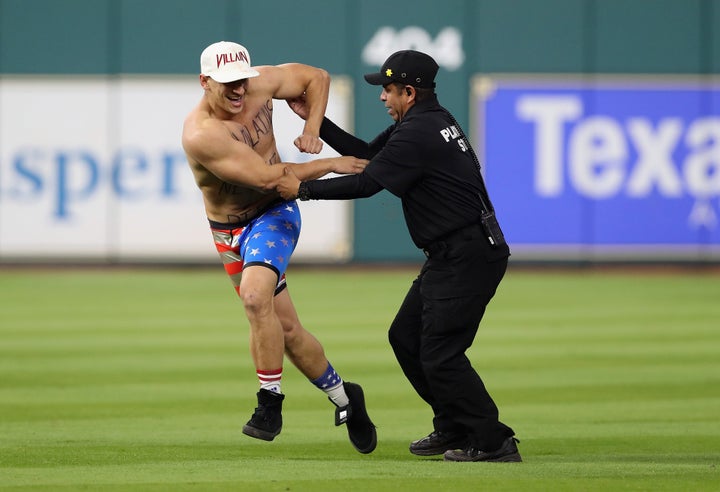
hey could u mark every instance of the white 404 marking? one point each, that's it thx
(446, 48)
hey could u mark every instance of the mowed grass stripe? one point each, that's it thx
(141, 380)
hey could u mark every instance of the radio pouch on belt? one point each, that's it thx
(491, 228)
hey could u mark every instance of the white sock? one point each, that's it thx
(337, 395)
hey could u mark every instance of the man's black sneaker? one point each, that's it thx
(508, 452)
(437, 442)
(266, 422)
(361, 430)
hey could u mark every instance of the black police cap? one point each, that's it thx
(408, 67)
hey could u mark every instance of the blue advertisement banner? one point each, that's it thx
(616, 166)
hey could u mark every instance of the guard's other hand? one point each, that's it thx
(288, 184)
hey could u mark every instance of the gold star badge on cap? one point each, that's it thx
(388, 72)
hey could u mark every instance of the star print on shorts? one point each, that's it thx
(271, 238)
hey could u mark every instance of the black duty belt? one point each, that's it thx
(467, 233)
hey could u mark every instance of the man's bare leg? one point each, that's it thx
(308, 355)
(257, 288)
(301, 347)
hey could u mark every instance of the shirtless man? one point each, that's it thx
(230, 146)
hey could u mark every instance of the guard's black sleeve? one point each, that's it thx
(346, 144)
(341, 188)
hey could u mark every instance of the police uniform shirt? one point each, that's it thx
(424, 160)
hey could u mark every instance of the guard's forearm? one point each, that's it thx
(343, 142)
(340, 188)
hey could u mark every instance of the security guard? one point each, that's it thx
(426, 160)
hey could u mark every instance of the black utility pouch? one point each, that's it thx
(492, 230)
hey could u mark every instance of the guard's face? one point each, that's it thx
(396, 100)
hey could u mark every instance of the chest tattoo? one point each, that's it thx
(230, 189)
(260, 125)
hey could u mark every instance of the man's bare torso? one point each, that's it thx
(227, 202)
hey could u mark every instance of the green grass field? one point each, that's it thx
(129, 380)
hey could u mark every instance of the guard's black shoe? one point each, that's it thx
(361, 430)
(266, 422)
(437, 442)
(508, 452)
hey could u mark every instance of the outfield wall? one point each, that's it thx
(92, 93)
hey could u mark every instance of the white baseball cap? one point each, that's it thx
(226, 62)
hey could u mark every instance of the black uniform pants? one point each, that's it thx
(437, 323)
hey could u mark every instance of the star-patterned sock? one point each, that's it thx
(332, 384)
